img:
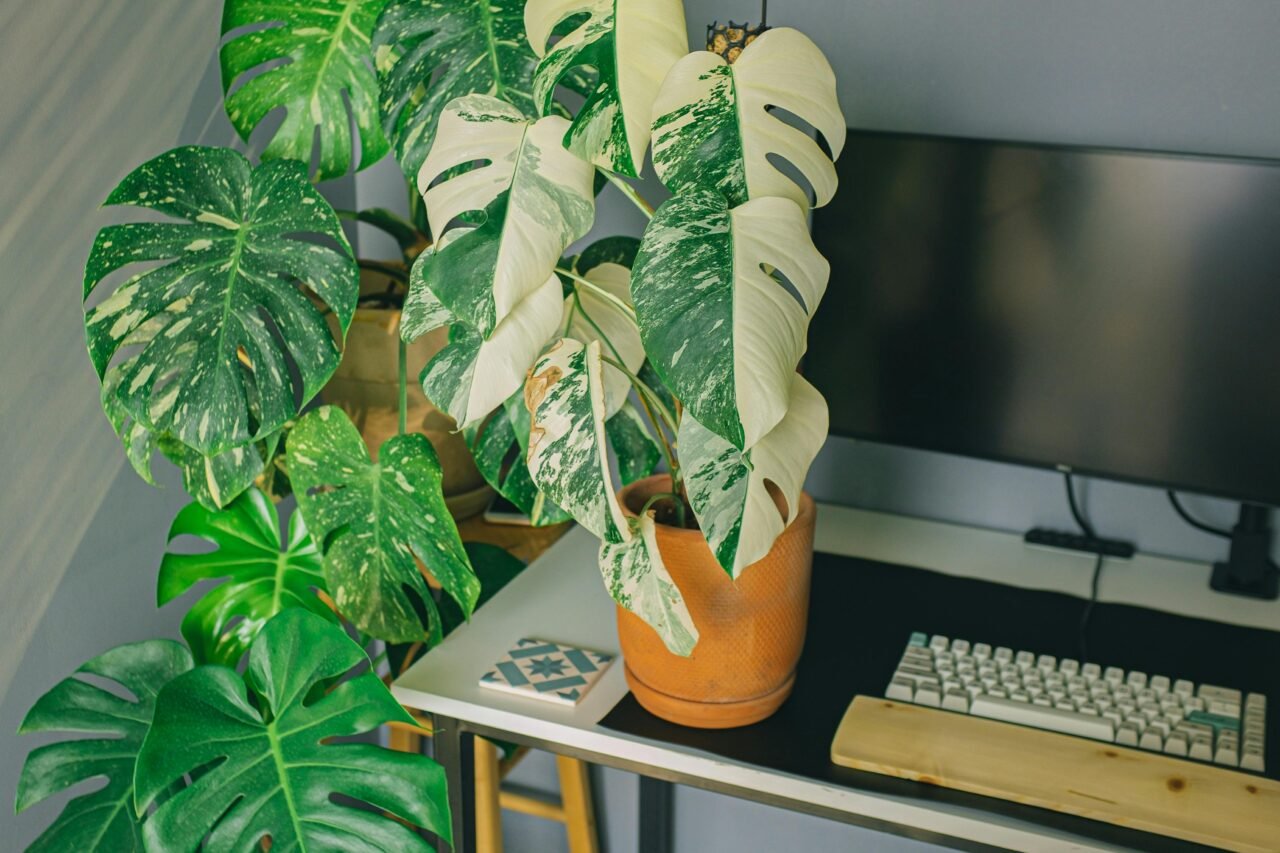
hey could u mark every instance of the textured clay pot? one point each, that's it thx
(751, 631)
(366, 386)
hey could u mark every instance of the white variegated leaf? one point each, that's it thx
(726, 486)
(568, 459)
(535, 197)
(713, 128)
(723, 332)
(474, 374)
(639, 581)
(632, 44)
(568, 450)
(588, 316)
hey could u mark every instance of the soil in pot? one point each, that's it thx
(751, 631)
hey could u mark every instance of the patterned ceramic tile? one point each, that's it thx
(547, 671)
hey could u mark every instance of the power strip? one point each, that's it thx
(1042, 537)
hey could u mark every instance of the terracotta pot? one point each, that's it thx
(366, 386)
(751, 631)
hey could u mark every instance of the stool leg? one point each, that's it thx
(579, 812)
(402, 739)
(488, 811)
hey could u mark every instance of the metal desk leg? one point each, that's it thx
(657, 799)
(455, 750)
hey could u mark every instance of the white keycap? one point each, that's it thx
(1176, 744)
(1003, 654)
(1252, 760)
(1046, 663)
(960, 647)
(1226, 709)
(1226, 754)
(1040, 717)
(939, 643)
(1209, 693)
(1024, 659)
(1127, 734)
(901, 689)
(956, 700)
(1151, 740)
(1070, 667)
(927, 694)
(1160, 683)
(1182, 687)
(981, 651)
(1201, 748)
(1137, 680)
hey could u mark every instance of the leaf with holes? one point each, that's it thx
(472, 374)
(727, 487)
(375, 521)
(259, 751)
(715, 128)
(632, 44)
(568, 459)
(321, 74)
(223, 318)
(494, 283)
(102, 819)
(213, 480)
(721, 329)
(260, 574)
(462, 47)
(498, 446)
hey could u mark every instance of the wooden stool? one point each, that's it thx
(575, 808)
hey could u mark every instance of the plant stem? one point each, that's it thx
(404, 384)
(386, 269)
(599, 291)
(674, 498)
(629, 191)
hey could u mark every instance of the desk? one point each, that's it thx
(560, 597)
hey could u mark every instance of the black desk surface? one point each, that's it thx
(861, 614)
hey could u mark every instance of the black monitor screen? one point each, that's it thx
(1114, 312)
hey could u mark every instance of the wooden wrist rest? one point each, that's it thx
(1101, 781)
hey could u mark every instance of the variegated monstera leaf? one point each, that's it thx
(499, 445)
(222, 323)
(728, 487)
(569, 460)
(631, 44)
(327, 64)
(714, 129)
(724, 299)
(462, 47)
(375, 522)
(494, 283)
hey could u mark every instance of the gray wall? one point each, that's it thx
(88, 96)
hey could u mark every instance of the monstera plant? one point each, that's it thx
(682, 346)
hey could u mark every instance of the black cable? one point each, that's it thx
(1197, 524)
(1085, 527)
(1082, 632)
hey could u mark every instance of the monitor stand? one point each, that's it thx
(1249, 570)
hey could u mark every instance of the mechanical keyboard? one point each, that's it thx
(1213, 724)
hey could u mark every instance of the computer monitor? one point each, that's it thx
(1115, 313)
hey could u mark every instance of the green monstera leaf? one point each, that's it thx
(462, 47)
(327, 65)
(715, 129)
(102, 819)
(569, 460)
(213, 480)
(721, 329)
(261, 767)
(261, 575)
(728, 488)
(632, 44)
(494, 283)
(373, 519)
(223, 319)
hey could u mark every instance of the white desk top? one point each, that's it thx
(560, 597)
